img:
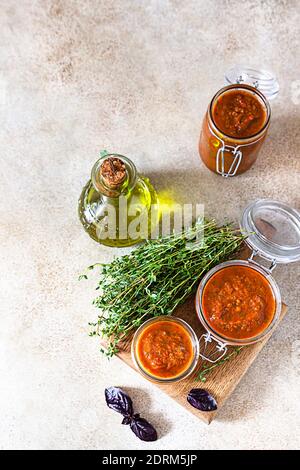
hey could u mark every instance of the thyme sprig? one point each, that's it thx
(207, 369)
(156, 277)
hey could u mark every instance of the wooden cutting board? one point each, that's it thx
(222, 380)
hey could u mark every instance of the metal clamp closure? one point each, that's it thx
(220, 160)
(256, 253)
(241, 79)
(213, 356)
(235, 152)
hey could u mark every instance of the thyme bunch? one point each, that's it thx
(156, 277)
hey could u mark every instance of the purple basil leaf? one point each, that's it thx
(118, 401)
(142, 429)
(202, 400)
(126, 420)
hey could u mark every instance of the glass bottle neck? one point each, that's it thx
(112, 193)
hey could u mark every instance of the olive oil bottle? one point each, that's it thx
(118, 207)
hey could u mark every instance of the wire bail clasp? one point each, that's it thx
(219, 347)
(237, 156)
(246, 79)
(267, 268)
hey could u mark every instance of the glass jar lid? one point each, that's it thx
(274, 229)
(264, 80)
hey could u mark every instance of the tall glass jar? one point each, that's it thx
(230, 153)
(227, 155)
(117, 206)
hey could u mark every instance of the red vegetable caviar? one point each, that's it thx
(165, 349)
(239, 113)
(238, 302)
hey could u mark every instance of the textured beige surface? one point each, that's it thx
(134, 77)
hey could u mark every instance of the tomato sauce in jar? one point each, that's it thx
(165, 349)
(239, 113)
(238, 302)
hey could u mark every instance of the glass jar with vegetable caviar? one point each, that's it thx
(239, 302)
(237, 121)
(165, 349)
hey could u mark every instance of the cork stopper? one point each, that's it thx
(113, 172)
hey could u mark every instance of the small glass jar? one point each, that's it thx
(227, 155)
(195, 348)
(274, 230)
(118, 207)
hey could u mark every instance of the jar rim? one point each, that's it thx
(239, 341)
(194, 339)
(253, 137)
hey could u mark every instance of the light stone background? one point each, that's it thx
(134, 77)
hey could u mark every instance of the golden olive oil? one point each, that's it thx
(118, 207)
